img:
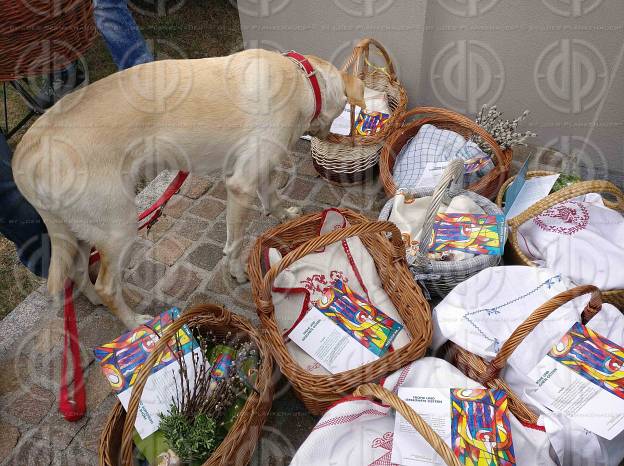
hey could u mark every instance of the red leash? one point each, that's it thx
(74, 407)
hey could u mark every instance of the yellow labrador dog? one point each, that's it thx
(79, 163)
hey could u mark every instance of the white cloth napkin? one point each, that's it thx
(359, 432)
(304, 281)
(481, 313)
(581, 238)
(408, 214)
(429, 147)
(376, 101)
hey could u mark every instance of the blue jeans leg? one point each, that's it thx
(121, 33)
(19, 221)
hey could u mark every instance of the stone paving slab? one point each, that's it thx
(179, 262)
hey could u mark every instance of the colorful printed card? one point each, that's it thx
(582, 376)
(122, 359)
(473, 233)
(359, 318)
(473, 422)
(368, 123)
(475, 164)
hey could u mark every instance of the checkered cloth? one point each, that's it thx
(433, 145)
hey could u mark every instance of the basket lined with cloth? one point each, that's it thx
(487, 185)
(359, 431)
(575, 231)
(293, 264)
(116, 440)
(352, 158)
(497, 327)
(440, 276)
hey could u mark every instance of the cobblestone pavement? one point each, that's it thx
(179, 263)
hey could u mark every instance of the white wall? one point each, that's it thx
(561, 59)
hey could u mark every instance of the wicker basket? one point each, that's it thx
(440, 277)
(388, 398)
(487, 373)
(41, 36)
(488, 186)
(116, 444)
(513, 253)
(352, 159)
(300, 237)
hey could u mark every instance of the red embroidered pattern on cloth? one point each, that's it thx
(566, 218)
(384, 442)
(318, 284)
(336, 421)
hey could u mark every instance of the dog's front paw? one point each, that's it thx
(291, 212)
(136, 320)
(238, 272)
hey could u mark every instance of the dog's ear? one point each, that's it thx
(354, 89)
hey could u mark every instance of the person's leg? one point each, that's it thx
(121, 33)
(19, 221)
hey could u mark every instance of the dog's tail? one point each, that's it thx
(64, 248)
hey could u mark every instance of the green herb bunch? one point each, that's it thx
(195, 424)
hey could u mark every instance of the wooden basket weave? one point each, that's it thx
(488, 186)
(41, 36)
(116, 444)
(513, 253)
(387, 397)
(488, 373)
(352, 159)
(300, 237)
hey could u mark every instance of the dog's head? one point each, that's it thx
(337, 88)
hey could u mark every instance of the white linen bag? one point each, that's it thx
(359, 432)
(305, 280)
(481, 313)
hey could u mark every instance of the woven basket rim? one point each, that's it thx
(249, 420)
(348, 380)
(488, 185)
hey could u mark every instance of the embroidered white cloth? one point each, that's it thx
(432, 146)
(581, 238)
(408, 214)
(480, 314)
(376, 101)
(358, 432)
(304, 281)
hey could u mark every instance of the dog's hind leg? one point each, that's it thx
(108, 283)
(80, 273)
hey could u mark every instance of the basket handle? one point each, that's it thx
(361, 51)
(460, 120)
(325, 240)
(222, 317)
(452, 176)
(569, 192)
(387, 397)
(519, 334)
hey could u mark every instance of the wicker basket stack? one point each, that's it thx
(41, 36)
(352, 159)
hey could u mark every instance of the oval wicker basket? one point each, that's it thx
(298, 238)
(40, 36)
(388, 398)
(488, 186)
(348, 160)
(116, 444)
(488, 373)
(440, 277)
(514, 254)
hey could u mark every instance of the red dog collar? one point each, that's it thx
(310, 73)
